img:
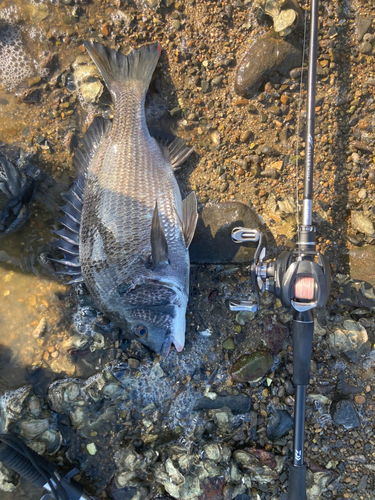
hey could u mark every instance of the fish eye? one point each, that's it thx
(141, 331)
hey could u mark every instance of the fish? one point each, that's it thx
(126, 230)
(17, 191)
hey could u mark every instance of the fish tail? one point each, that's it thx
(138, 66)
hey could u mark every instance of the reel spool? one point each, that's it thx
(300, 279)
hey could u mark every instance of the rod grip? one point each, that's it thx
(302, 332)
(297, 482)
(22, 465)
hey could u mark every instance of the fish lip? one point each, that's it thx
(166, 347)
(167, 344)
(177, 345)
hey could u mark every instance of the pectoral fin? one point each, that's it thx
(159, 245)
(189, 217)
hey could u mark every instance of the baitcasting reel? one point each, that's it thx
(300, 279)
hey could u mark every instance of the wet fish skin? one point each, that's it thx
(17, 192)
(135, 229)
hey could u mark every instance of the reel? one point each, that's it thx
(300, 278)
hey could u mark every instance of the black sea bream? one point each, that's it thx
(127, 230)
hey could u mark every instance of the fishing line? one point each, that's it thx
(299, 110)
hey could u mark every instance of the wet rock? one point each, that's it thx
(229, 344)
(252, 367)
(212, 452)
(212, 242)
(318, 483)
(343, 413)
(279, 424)
(31, 428)
(28, 94)
(365, 48)
(237, 404)
(351, 337)
(9, 480)
(212, 488)
(360, 261)
(266, 58)
(274, 334)
(287, 205)
(270, 173)
(76, 398)
(40, 329)
(258, 472)
(244, 316)
(223, 418)
(362, 223)
(285, 15)
(87, 80)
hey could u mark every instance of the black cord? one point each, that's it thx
(48, 474)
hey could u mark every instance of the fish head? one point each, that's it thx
(155, 315)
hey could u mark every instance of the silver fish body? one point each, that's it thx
(134, 229)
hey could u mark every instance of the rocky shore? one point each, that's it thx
(215, 421)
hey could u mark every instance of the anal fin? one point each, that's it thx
(159, 245)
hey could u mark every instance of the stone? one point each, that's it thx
(29, 429)
(266, 59)
(212, 242)
(9, 480)
(229, 344)
(274, 334)
(251, 367)
(363, 26)
(343, 413)
(350, 338)
(279, 424)
(361, 261)
(365, 48)
(133, 363)
(212, 452)
(91, 448)
(237, 404)
(362, 223)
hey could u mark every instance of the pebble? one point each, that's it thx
(229, 344)
(91, 448)
(265, 57)
(359, 400)
(362, 223)
(40, 330)
(279, 424)
(343, 413)
(365, 48)
(133, 363)
(250, 367)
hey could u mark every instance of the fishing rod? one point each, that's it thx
(39, 471)
(301, 279)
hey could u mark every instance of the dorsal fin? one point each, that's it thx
(189, 217)
(159, 245)
(179, 152)
(93, 138)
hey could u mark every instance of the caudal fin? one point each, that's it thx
(138, 66)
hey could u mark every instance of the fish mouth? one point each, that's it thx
(167, 344)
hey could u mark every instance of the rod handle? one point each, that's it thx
(302, 332)
(23, 466)
(297, 482)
